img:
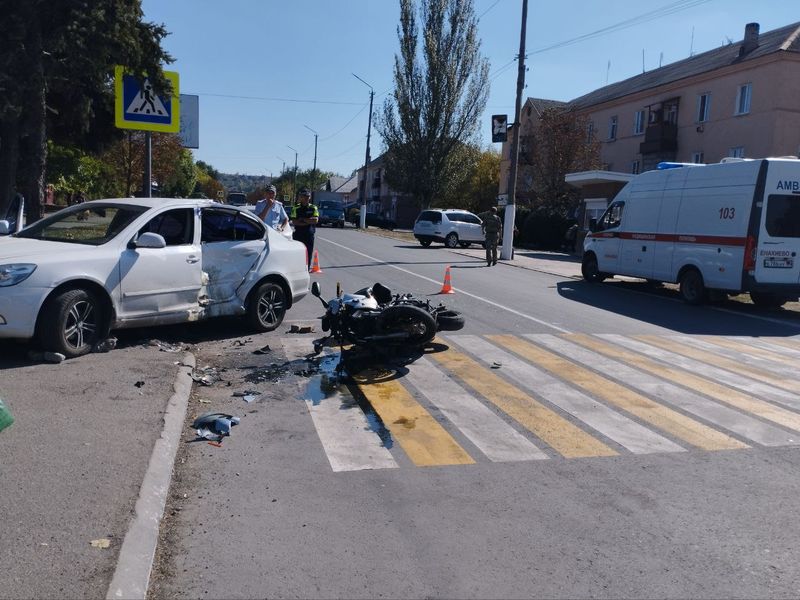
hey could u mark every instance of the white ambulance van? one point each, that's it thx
(715, 229)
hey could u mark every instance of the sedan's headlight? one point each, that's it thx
(14, 274)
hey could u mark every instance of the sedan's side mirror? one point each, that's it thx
(5, 227)
(315, 289)
(150, 240)
(592, 225)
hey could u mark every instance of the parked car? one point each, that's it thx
(331, 213)
(237, 199)
(72, 277)
(374, 220)
(450, 227)
(14, 219)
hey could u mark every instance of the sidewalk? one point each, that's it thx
(554, 263)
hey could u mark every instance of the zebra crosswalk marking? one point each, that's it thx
(491, 435)
(721, 393)
(341, 425)
(771, 366)
(624, 431)
(554, 430)
(666, 419)
(730, 378)
(422, 438)
(737, 366)
(792, 344)
(770, 349)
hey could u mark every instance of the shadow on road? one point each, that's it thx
(616, 296)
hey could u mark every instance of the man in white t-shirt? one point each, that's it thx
(271, 211)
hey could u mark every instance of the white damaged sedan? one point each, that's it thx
(69, 279)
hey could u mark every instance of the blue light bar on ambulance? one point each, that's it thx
(676, 165)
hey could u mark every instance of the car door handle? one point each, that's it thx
(192, 259)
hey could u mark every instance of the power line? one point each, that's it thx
(268, 99)
(488, 9)
(333, 135)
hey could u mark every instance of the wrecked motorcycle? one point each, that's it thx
(375, 317)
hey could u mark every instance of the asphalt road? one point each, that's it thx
(556, 465)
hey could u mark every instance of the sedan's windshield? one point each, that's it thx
(92, 224)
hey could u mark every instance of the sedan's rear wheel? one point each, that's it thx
(267, 307)
(72, 323)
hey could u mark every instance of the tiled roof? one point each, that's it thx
(346, 185)
(785, 39)
(539, 105)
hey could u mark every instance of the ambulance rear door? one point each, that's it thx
(778, 244)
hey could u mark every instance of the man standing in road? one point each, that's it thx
(271, 211)
(304, 218)
(492, 228)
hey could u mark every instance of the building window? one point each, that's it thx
(636, 167)
(743, 99)
(698, 158)
(703, 107)
(736, 152)
(638, 122)
(590, 131)
(612, 128)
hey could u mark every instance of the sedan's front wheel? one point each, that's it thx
(267, 307)
(72, 323)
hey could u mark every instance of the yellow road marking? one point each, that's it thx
(722, 362)
(714, 390)
(647, 410)
(741, 346)
(422, 438)
(564, 437)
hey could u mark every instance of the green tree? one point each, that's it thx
(476, 187)
(56, 65)
(441, 88)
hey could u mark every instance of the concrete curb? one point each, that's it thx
(135, 562)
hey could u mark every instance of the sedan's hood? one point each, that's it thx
(14, 249)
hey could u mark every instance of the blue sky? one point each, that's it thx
(241, 56)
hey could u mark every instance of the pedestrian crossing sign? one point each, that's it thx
(137, 106)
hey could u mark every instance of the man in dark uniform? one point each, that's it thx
(304, 218)
(493, 230)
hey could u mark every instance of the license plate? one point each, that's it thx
(778, 263)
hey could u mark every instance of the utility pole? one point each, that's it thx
(294, 179)
(314, 171)
(363, 220)
(507, 252)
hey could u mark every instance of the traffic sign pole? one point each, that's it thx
(147, 184)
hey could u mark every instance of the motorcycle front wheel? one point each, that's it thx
(416, 323)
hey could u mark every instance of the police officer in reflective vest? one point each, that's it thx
(492, 229)
(304, 218)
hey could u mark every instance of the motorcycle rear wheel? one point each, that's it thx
(416, 322)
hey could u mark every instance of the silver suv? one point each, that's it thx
(452, 227)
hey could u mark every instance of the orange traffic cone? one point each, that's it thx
(315, 264)
(447, 288)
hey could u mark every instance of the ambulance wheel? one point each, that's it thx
(693, 290)
(590, 270)
(767, 300)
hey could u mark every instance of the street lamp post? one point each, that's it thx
(294, 179)
(314, 170)
(363, 219)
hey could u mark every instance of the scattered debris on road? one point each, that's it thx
(106, 345)
(101, 543)
(299, 329)
(206, 376)
(247, 395)
(51, 357)
(263, 350)
(6, 418)
(167, 347)
(241, 342)
(139, 384)
(214, 426)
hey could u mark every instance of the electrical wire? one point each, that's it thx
(268, 99)
(333, 135)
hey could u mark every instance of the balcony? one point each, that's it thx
(659, 137)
